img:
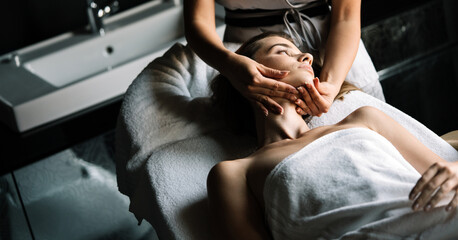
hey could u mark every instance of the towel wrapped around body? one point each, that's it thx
(349, 184)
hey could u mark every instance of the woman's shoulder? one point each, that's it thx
(232, 165)
(365, 116)
(370, 117)
(364, 113)
(228, 170)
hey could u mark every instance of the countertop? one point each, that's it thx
(20, 149)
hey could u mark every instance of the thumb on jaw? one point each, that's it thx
(316, 83)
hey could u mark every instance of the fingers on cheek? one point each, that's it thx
(314, 109)
(301, 91)
(263, 100)
(311, 108)
(311, 103)
(312, 90)
(274, 107)
(300, 111)
(293, 91)
(250, 88)
(306, 97)
(276, 86)
(306, 110)
(272, 92)
(292, 97)
(262, 108)
(300, 103)
(303, 107)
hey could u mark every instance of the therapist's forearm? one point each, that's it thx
(341, 48)
(201, 34)
(343, 41)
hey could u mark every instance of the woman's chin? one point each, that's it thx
(297, 82)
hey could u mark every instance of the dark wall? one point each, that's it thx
(416, 54)
(373, 11)
(25, 22)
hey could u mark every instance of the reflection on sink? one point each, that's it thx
(104, 53)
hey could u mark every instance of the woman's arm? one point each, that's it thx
(341, 48)
(439, 177)
(414, 151)
(250, 78)
(235, 213)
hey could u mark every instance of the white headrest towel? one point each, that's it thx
(169, 136)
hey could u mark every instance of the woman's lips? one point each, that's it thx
(307, 67)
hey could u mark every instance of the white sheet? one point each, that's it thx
(347, 184)
(168, 137)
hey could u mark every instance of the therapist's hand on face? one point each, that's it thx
(259, 83)
(439, 180)
(316, 98)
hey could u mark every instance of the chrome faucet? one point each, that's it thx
(97, 10)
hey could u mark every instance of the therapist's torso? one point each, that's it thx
(262, 4)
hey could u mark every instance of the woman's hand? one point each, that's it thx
(259, 83)
(440, 179)
(316, 98)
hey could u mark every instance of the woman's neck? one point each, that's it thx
(277, 127)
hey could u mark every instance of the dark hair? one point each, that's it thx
(237, 110)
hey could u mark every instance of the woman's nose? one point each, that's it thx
(306, 57)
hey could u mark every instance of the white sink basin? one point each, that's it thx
(117, 47)
(86, 70)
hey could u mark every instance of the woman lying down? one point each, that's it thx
(364, 177)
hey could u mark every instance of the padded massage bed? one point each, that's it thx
(169, 136)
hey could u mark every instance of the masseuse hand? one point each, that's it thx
(257, 83)
(316, 98)
(441, 176)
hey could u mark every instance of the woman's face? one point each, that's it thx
(279, 53)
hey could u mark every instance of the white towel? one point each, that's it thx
(356, 99)
(349, 183)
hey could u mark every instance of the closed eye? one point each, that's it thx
(281, 48)
(284, 52)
